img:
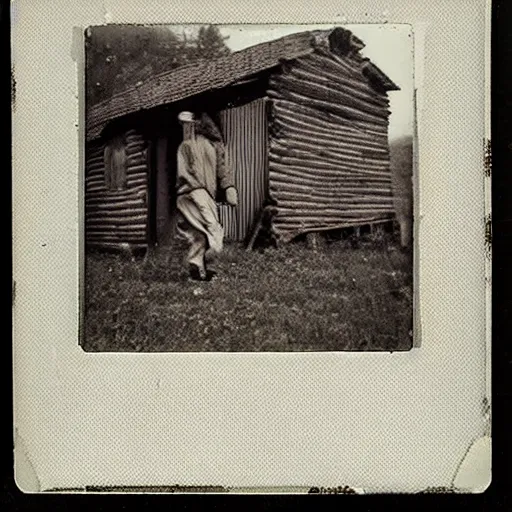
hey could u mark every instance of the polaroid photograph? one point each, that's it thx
(251, 247)
(248, 188)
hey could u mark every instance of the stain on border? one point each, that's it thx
(487, 158)
(488, 235)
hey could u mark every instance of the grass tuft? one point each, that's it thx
(286, 299)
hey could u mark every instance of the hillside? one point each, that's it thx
(401, 156)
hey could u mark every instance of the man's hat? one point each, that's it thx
(186, 117)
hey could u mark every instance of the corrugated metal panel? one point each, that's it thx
(116, 217)
(245, 131)
(329, 153)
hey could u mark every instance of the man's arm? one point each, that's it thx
(225, 176)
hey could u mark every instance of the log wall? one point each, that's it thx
(117, 218)
(329, 153)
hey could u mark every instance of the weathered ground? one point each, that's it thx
(287, 299)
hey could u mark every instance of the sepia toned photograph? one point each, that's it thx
(251, 251)
(248, 188)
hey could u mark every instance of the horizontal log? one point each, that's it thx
(98, 200)
(342, 162)
(365, 154)
(127, 206)
(97, 160)
(286, 223)
(92, 174)
(293, 124)
(313, 87)
(115, 224)
(363, 126)
(338, 208)
(135, 213)
(128, 190)
(287, 226)
(136, 218)
(98, 186)
(132, 182)
(95, 176)
(347, 61)
(316, 169)
(125, 239)
(335, 118)
(341, 203)
(92, 230)
(277, 190)
(341, 208)
(330, 190)
(357, 88)
(286, 233)
(327, 152)
(340, 65)
(112, 236)
(335, 65)
(136, 153)
(136, 159)
(107, 235)
(121, 217)
(142, 177)
(95, 182)
(134, 210)
(114, 245)
(116, 232)
(288, 172)
(108, 196)
(286, 87)
(279, 182)
(324, 197)
(137, 145)
(287, 123)
(326, 92)
(330, 150)
(96, 168)
(326, 121)
(139, 168)
(326, 215)
(99, 190)
(110, 225)
(95, 189)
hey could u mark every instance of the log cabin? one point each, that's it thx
(305, 124)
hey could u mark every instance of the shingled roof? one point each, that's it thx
(198, 77)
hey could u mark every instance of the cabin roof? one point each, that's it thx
(198, 77)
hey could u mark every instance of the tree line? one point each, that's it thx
(119, 56)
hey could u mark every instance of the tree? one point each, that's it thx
(119, 56)
(210, 43)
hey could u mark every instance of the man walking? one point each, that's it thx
(202, 173)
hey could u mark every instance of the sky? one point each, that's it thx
(388, 46)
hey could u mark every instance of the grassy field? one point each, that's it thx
(294, 298)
